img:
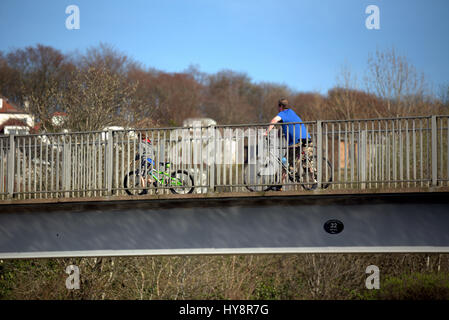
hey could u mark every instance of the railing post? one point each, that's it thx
(66, 166)
(434, 152)
(362, 159)
(213, 160)
(10, 167)
(109, 152)
(319, 155)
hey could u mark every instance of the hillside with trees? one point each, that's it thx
(110, 88)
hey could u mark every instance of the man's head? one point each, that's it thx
(283, 104)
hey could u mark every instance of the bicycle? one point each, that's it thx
(139, 181)
(262, 177)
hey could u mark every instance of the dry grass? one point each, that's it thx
(304, 276)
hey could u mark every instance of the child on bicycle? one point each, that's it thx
(146, 154)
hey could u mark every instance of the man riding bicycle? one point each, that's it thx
(296, 134)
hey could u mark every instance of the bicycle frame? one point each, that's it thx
(166, 175)
(284, 166)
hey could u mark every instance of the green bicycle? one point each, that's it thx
(139, 181)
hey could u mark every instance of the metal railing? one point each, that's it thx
(346, 154)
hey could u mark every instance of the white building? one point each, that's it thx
(13, 120)
(199, 122)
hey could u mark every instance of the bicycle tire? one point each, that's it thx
(328, 172)
(185, 189)
(255, 182)
(308, 179)
(137, 183)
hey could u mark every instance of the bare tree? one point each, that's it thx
(394, 79)
(443, 98)
(265, 98)
(309, 106)
(107, 57)
(9, 80)
(343, 99)
(164, 98)
(178, 97)
(95, 98)
(228, 98)
(39, 73)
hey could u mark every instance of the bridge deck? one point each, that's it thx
(216, 195)
(275, 222)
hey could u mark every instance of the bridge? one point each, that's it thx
(382, 186)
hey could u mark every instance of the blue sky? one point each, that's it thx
(300, 43)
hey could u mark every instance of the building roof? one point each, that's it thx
(13, 122)
(9, 107)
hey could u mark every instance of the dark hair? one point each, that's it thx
(283, 103)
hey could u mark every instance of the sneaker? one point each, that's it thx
(277, 188)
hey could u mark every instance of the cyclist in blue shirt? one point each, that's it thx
(296, 134)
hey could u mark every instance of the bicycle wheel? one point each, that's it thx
(326, 176)
(308, 173)
(134, 182)
(183, 182)
(256, 178)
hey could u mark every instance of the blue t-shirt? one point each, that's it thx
(299, 132)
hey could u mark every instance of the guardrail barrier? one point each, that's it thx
(346, 154)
